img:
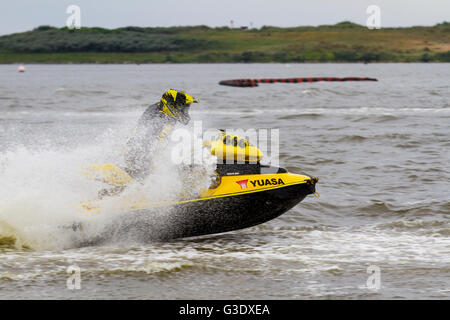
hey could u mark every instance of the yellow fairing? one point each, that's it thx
(234, 148)
(108, 173)
(234, 185)
(229, 186)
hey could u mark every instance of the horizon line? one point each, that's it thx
(226, 26)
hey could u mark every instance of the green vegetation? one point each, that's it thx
(343, 42)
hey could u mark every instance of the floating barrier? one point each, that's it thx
(254, 82)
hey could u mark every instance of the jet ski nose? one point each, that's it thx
(312, 185)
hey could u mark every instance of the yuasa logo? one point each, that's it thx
(242, 183)
(267, 182)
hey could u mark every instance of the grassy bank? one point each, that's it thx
(343, 42)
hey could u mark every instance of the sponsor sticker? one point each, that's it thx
(242, 183)
(267, 182)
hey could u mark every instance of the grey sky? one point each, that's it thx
(22, 15)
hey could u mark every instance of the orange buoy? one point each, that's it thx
(21, 69)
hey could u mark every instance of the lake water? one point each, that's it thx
(381, 151)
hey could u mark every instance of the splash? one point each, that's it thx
(42, 188)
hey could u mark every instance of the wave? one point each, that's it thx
(75, 92)
(301, 116)
(415, 209)
(160, 268)
(7, 242)
(408, 145)
(386, 118)
(354, 114)
(352, 138)
(433, 227)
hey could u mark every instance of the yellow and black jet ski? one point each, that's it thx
(245, 193)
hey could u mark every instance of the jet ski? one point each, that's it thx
(244, 193)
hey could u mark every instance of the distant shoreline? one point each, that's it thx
(344, 42)
(212, 63)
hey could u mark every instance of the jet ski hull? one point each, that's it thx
(211, 216)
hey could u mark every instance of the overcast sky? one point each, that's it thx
(23, 15)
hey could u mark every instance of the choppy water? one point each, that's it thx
(381, 151)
